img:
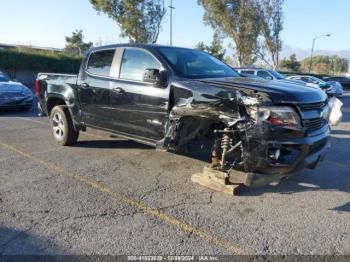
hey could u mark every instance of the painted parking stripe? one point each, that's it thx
(139, 205)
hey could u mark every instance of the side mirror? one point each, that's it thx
(268, 78)
(156, 77)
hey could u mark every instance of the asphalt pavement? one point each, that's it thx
(113, 196)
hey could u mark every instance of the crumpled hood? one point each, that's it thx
(278, 91)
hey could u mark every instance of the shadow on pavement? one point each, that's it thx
(14, 242)
(343, 208)
(302, 182)
(33, 112)
(118, 144)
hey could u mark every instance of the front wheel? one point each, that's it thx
(62, 126)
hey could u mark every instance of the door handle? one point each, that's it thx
(84, 85)
(118, 90)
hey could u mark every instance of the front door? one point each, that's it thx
(139, 108)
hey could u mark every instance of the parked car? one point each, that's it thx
(331, 88)
(267, 74)
(344, 81)
(178, 99)
(338, 88)
(263, 73)
(14, 95)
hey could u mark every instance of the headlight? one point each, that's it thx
(278, 115)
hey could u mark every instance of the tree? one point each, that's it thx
(291, 64)
(238, 20)
(75, 43)
(271, 18)
(326, 64)
(201, 46)
(139, 20)
(215, 49)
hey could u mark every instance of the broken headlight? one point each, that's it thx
(277, 115)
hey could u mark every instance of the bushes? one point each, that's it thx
(44, 61)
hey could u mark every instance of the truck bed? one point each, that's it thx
(55, 85)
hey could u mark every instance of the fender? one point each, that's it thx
(63, 88)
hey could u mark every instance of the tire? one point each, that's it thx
(62, 126)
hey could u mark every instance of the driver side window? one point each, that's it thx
(135, 62)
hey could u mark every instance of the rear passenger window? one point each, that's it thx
(100, 62)
(135, 62)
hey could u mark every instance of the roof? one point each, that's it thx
(146, 46)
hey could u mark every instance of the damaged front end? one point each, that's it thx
(247, 135)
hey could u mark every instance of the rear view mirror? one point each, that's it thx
(156, 77)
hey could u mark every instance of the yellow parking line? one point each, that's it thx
(139, 205)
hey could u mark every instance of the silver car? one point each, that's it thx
(14, 95)
(267, 74)
(331, 88)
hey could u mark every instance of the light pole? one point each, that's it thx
(171, 21)
(313, 47)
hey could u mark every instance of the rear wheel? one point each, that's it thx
(62, 126)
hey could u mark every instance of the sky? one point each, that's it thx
(46, 23)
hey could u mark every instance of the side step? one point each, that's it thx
(228, 183)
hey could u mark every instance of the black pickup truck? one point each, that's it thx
(183, 100)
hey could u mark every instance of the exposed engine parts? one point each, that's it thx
(191, 124)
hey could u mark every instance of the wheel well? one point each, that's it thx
(52, 102)
(171, 100)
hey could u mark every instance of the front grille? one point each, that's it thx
(314, 124)
(313, 106)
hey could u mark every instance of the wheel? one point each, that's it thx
(62, 126)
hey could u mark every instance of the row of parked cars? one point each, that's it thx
(333, 86)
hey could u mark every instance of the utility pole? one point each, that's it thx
(171, 21)
(313, 47)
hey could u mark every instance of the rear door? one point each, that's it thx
(138, 108)
(94, 88)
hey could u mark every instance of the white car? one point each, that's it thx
(331, 88)
(267, 74)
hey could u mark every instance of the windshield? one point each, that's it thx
(196, 64)
(277, 75)
(4, 78)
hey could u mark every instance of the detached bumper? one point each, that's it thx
(311, 161)
(296, 155)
